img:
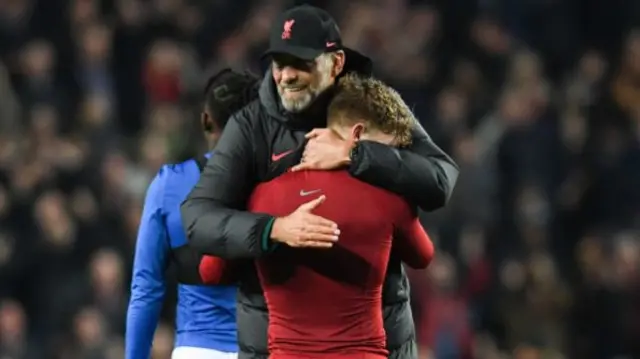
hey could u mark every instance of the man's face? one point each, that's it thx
(300, 82)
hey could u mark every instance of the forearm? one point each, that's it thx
(223, 232)
(143, 315)
(147, 293)
(426, 179)
(148, 281)
(414, 246)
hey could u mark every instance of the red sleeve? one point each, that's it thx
(411, 240)
(215, 270)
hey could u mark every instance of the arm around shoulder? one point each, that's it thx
(421, 173)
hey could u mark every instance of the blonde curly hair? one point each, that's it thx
(381, 107)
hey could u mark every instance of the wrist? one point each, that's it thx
(275, 230)
(267, 243)
(353, 152)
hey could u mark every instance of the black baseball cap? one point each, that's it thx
(304, 32)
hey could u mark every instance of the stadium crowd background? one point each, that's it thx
(538, 101)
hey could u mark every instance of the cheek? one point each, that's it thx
(277, 75)
(321, 78)
(305, 78)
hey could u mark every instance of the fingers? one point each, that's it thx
(317, 221)
(314, 231)
(314, 133)
(318, 237)
(318, 133)
(312, 244)
(321, 233)
(314, 220)
(311, 205)
(307, 163)
(303, 166)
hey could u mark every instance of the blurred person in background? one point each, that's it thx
(89, 329)
(13, 332)
(9, 106)
(205, 324)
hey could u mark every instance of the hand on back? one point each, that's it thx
(303, 229)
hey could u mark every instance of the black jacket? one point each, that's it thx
(215, 218)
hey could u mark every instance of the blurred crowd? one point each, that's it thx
(537, 100)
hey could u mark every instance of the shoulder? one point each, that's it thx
(250, 113)
(172, 176)
(255, 116)
(246, 121)
(392, 204)
(254, 122)
(176, 171)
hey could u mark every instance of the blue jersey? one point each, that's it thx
(206, 315)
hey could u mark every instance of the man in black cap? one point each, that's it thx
(273, 134)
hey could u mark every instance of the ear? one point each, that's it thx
(206, 122)
(338, 64)
(356, 131)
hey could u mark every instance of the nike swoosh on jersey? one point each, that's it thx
(307, 193)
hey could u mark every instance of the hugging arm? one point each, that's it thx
(421, 173)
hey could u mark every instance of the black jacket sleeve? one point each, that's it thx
(422, 173)
(213, 214)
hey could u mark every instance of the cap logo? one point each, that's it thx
(286, 32)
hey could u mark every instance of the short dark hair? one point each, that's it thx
(227, 91)
(366, 98)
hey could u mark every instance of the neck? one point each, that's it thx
(378, 136)
(343, 132)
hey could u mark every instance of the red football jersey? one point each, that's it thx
(327, 303)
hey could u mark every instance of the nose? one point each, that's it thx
(289, 75)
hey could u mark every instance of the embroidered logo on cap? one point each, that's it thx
(286, 33)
